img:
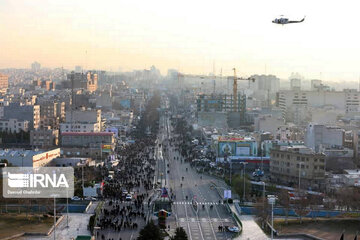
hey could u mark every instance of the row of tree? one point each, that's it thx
(153, 232)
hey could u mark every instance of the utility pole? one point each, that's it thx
(244, 163)
(54, 218)
(271, 200)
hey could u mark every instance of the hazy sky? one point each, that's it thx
(188, 35)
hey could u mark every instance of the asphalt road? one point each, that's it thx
(203, 223)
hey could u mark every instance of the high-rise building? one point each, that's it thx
(295, 84)
(297, 102)
(318, 135)
(92, 81)
(4, 82)
(88, 81)
(35, 66)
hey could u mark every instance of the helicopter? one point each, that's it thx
(283, 20)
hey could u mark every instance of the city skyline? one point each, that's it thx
(190, 37)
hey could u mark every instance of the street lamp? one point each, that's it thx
(271, 201)
(226, 154)
(244, 163)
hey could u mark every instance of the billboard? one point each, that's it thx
(242, 151)
(236, 146)
(106, 148)
(226, 148)
(227, 194)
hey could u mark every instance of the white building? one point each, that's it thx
(297, 100)
(13, 125)
(80, 127)
(29, 158)
(320, 136)
(82, 121)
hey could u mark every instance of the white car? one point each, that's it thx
(128, 197)
(233, 229)
(75, 198)
(91, 198)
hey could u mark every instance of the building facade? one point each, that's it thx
(289, 164)
(13, 125)
(297, 101)
(81, 144)
(44, 138)
(83, 120)
(321, 136)
(4, 83)
(21, 112)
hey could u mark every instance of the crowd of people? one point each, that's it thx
(128, 191)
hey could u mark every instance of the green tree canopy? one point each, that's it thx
(180, 234)
(150, 232)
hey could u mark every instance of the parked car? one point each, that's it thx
(91, 198)
(232, 229)
(75, 198)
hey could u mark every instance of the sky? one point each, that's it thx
(190, 35)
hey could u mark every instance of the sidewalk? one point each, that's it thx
(250, 229)
(77, 226)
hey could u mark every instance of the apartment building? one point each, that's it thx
(86, 144)
(44, 138)
(83, 120)
(289, 164)
(22, 112)
(296, 103)
(13, 125)
(4, 83)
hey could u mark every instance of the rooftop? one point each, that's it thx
(87, 134)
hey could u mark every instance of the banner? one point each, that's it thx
(227, 194)
(106, 148)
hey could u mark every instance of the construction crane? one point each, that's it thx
(235, 78)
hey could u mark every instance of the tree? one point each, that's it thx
(238, 185)
(285, 202)
(301, 206)
(180, 234)
(150, 232)
(263, 210)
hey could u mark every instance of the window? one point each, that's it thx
(315, 167)
(298, 158)
(315, 160)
